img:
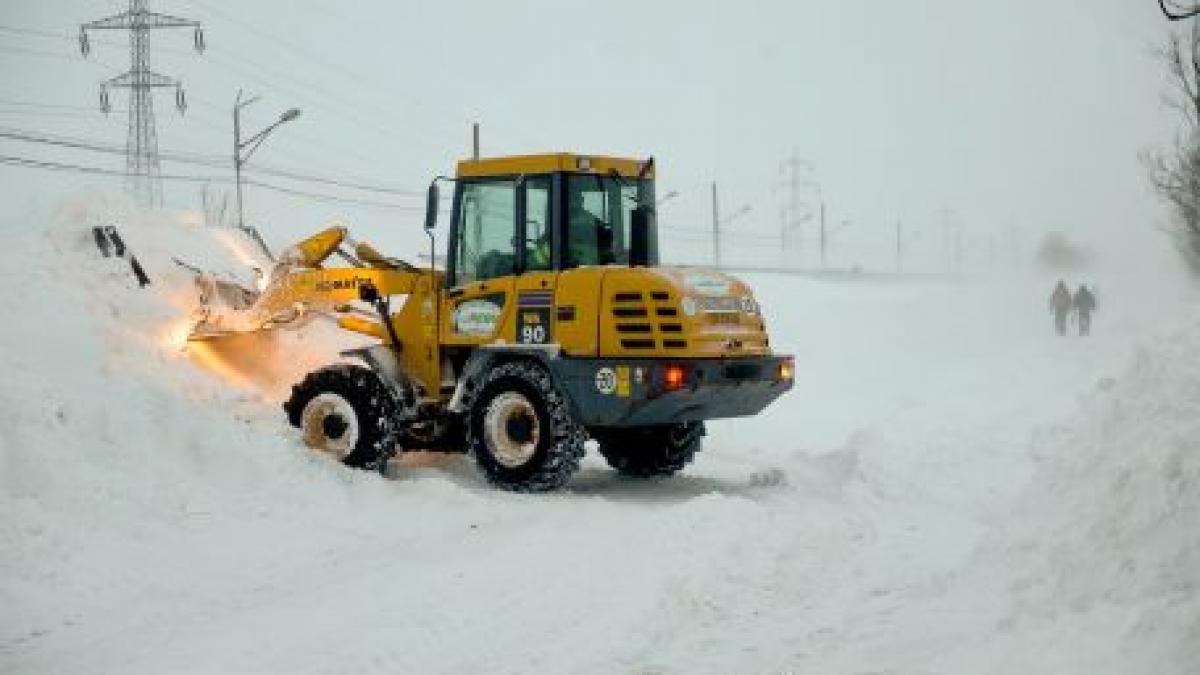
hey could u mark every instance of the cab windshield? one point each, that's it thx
(599, 210)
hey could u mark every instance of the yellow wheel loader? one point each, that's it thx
(551, 323)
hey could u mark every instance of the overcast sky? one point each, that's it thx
(1025, 115)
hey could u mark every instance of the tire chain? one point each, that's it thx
(570, 437)
(378, 401)
(674, 456)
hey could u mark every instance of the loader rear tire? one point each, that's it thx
(347, 411)
(521, 432)
(647, 452)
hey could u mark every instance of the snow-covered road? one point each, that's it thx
(950, 488)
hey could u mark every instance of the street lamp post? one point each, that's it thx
(902, 239)
(826, 234)
(242, 151)
(718, 221)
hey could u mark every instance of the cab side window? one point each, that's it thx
(598, 217)
(486, 231)
(588, 230)
(537, 224)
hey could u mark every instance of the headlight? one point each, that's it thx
(688, 305)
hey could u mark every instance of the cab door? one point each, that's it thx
(533, 316)
(482, 264)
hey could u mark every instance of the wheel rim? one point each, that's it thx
(330, 424)
(511, 429)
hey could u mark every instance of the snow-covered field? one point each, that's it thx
(949, 489)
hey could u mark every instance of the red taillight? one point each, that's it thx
(673, 377)
(787, 369)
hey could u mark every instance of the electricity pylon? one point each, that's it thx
(141, 144)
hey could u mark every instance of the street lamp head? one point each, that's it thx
(667, 197)
(289, 115)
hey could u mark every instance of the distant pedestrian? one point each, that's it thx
(1060, 304)
(1085, 304)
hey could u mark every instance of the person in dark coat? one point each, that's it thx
(1084, 304)
(1060, 304)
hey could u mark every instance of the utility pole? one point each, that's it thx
(899, 246)
(958, 246)
(947, 231)
(823, 235)
(475, 140)
(141, 143)
(716, 229)
(1015, 249)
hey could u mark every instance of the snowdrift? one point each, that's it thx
(157, 514)
(1103, 560)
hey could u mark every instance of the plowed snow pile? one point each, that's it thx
(950, 489)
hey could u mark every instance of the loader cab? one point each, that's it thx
(549, 213)
(531, 239)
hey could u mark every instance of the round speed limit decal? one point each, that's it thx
(606, 380)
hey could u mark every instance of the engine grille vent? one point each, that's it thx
(659, 326)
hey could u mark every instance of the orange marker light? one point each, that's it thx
(787, 368)
(673, 377)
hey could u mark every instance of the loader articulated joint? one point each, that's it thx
(368, 293)
(382, 360)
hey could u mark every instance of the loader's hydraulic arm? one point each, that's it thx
(383, 305)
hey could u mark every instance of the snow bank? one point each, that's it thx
(950, 489)
(1104, 559)
(112, 439)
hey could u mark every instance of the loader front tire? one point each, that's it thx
(347, 411)
(521, 432)
(647, 452)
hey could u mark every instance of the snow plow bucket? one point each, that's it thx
(225, 307)
(297, 289)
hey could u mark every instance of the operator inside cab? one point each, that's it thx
(589, 232)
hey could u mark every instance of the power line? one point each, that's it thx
(271, 79)
(330, 198)
(45, 114)
(212, 161)
(216, 120)
(33, 31)
(47, 106)
(60, 166)
(47, 55)
(283, 173)
(304, 51)
(300, 88)
(208, 161)
(344, 73)
(27, 162)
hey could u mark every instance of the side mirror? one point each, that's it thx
(431, 206)
(639, 236)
